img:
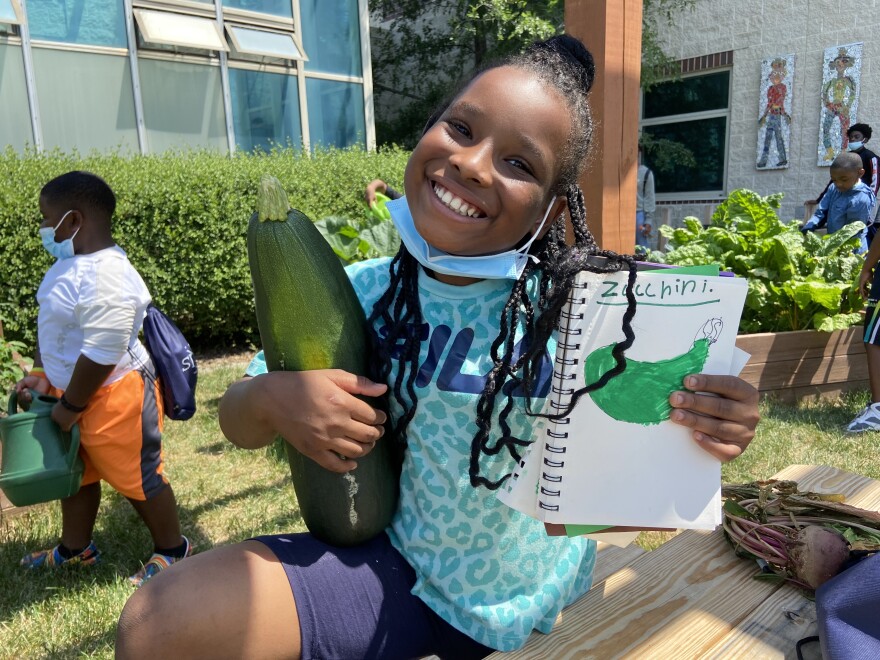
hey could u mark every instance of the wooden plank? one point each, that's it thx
(611, 559)
(660, 605)
(860, 491)
(801, 373)
(801, 344)
(772, 630)
(816, 392)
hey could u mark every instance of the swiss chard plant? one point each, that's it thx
(796, 281)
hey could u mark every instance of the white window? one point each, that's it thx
(10, 12)
(169, 29)
(263, 43)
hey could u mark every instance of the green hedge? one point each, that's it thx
(182, 218)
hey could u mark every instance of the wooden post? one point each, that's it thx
(612, 31)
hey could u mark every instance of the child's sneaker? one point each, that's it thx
(157, 563)
(867, 420)
(52, 558)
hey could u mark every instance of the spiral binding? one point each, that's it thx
(566, 362)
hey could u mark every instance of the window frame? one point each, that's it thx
(141, 16)
(696, 116)
(18, 11)
(230, 27)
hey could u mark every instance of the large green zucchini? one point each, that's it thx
(310, 318)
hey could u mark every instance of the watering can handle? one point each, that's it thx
(74, 444)
(12, 406)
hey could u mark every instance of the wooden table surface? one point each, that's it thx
(692, 597)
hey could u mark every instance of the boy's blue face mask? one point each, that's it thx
(62, 250)
(503, 265)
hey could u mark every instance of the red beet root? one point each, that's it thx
(818, 554)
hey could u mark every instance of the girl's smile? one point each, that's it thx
(456, 203)
(480, 179)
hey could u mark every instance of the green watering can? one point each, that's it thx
(378, 211)
(40, 462)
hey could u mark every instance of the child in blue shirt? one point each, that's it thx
(484, 263)
(847, 200)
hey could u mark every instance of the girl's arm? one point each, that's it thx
(318, 412)
(724, 424)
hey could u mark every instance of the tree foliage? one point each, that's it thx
(422, 50)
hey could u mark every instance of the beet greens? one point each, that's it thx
(805, 538)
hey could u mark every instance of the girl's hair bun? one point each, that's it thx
(571, 50)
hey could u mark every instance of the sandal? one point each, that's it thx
(157, 563)
(52, 558)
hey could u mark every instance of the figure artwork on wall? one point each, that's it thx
(840, 98)
(774, 112)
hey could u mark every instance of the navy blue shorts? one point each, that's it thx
(871, 332)
(355, 603)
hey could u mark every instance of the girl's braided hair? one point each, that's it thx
(564, 63)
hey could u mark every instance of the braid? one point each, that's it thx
(404, 319)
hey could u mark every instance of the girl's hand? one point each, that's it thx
(318, 413)
(723, 425)
(25, 385)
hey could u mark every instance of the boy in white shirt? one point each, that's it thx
(92, 303)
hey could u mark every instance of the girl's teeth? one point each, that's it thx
(455, 203)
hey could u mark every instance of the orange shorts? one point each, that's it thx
(121, 437)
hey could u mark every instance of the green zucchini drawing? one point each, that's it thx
(640, 394)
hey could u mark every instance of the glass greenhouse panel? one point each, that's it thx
(265, 110)
(84, 22)
(336, 113)
(86, 101)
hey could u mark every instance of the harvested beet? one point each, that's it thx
(818, 554)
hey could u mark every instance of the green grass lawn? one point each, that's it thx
(226, 494)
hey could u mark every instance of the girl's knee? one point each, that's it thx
(135, 632)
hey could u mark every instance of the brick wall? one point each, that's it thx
(756, 29)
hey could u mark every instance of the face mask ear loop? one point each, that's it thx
(525, 248)
(63, 218)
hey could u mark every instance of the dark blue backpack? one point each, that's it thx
(174, 362)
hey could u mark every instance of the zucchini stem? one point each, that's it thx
(272, 203)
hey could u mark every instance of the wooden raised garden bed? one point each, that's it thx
(805, 364)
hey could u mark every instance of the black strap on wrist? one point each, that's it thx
(72, 408)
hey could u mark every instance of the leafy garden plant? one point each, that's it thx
(357, 240)
(796, 281)
(11, 363)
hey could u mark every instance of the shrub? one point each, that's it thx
(182, 218)
(11, 365)
(796, 281)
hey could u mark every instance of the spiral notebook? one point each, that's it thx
(616, 460)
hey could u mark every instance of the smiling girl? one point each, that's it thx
(462, 319)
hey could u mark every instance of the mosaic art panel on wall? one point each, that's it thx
(774, 112)
(842, 72)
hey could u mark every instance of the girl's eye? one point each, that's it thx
(458, 127)
(521, 165)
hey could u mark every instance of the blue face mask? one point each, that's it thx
(855, 146)
(62, 250)
(503, 265)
